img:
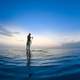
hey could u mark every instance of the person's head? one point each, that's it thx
(29, 33)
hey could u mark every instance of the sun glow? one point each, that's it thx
(20, 39)
(43, 41)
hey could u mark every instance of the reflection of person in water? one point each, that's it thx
(28, 45)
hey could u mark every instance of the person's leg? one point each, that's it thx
(28, 55)
(29, 51)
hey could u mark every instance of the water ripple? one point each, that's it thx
(48, 64)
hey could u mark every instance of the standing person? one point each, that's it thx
(28, 45)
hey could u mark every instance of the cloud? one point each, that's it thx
(6, 32)
(71, 45)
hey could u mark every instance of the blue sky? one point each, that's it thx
(51, 18)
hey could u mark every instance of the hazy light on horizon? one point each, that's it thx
(39, 39)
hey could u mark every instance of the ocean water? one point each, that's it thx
(44, 64)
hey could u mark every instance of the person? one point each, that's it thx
(28, 53)
(28, 45)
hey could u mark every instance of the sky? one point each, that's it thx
(51, 22)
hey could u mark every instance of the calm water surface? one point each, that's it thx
(45, 64)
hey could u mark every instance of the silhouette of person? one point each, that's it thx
(28, 52)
